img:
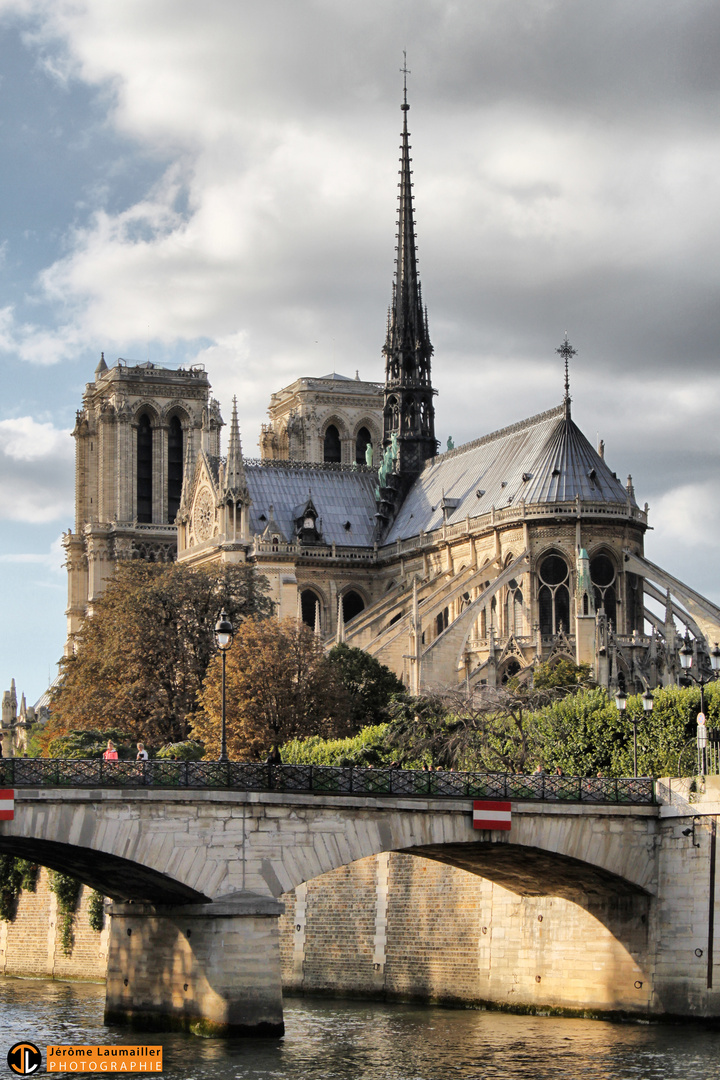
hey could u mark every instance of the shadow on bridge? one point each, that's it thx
(120, 879)
(620, 905)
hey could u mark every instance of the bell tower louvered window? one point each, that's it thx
(144, 469)
(175, 468)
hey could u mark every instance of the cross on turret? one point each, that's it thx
(405, 72)
(566, 351)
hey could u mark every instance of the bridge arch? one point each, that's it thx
(120, 879)
(207, 844)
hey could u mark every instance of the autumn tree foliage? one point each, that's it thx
(279, 686)
(142, 656)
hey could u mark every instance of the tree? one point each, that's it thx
(142, 656)
(586, 735)
(369, 684)
(90, 744)
(491, 729)
(562, 675)
(279, 686)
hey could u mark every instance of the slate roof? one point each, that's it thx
(339, 495)
(545, 459)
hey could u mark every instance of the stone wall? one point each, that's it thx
(405, 927)
(398, 926)
(31, 944)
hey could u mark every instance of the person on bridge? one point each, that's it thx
(142, 754)
(274, 757)
(111, 753)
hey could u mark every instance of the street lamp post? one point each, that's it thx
(686, 661)
(647, 700)
(620, 705)
(223, 635)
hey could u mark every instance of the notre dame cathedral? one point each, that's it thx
(467, 566)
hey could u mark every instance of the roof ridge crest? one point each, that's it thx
(558, 411)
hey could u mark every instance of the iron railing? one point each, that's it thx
(321, 780)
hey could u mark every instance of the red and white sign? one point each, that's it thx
(7, 804)
(491, 815)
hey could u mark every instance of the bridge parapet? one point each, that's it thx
(323, 780)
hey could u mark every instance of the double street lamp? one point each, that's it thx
(686, 661)
(620, 705)
(223, 636)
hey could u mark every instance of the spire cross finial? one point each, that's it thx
(405, 72)
(566, 351)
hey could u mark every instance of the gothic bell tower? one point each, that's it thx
(138, 424)
(408, 412)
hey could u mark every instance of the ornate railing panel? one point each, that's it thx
(321, 780)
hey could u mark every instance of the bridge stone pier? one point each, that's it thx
(195, 877)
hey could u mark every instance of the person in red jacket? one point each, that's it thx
(111, 753)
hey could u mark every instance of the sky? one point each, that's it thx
(216, 183)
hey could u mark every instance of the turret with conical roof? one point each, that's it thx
(408, 406)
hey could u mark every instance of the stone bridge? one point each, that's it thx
(195, 878)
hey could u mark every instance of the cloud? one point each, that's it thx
(566, 184)
(36, 471)
(689, 515)
(53, 559)
(565, 159)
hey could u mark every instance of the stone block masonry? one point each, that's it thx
(401, 927)
(594, 909)
(30, 945)
(392, 926)
(211, 969)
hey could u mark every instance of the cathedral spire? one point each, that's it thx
(235, 483)
(409, 413)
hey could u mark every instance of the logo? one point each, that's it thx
(24, 1058)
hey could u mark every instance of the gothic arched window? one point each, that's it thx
(144, 469)
(352, 605)
(175, 468)
(310, 607)
(554, 596)
(604, 579)
(392, 415)
(362, 441)
(515, 620)
(511, 670)
(332, 450)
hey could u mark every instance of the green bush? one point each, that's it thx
(583, 734)
(190, 750)
(96, 911)
(15, 875)
(368, 747)
(67, 889)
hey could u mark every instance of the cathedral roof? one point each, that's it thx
(341, 496)
(545, 459)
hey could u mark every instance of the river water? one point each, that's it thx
(347, 1040)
